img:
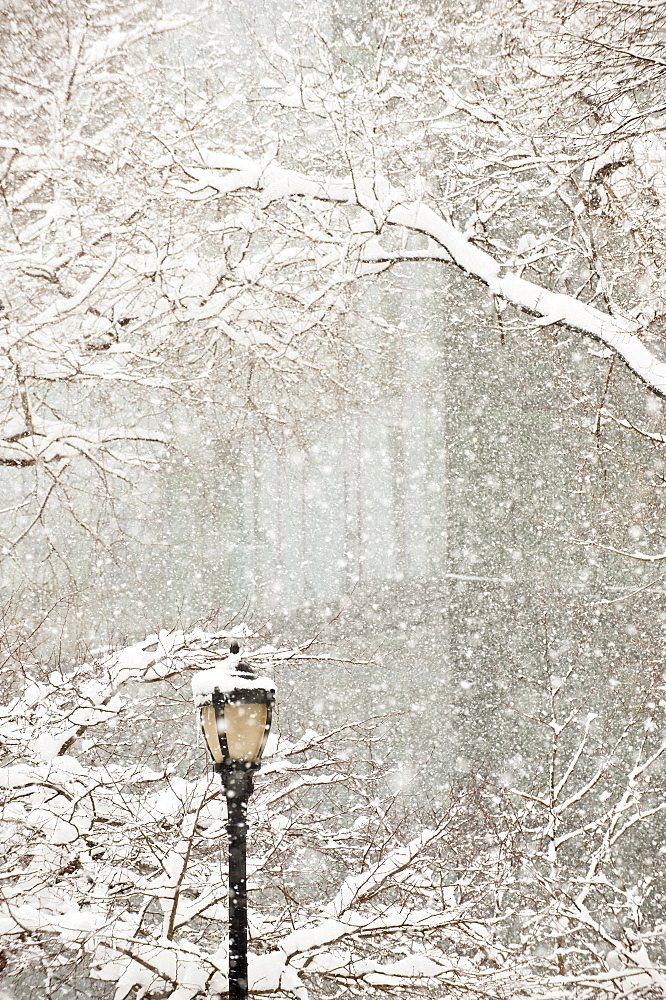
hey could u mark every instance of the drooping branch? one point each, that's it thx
(386, 205)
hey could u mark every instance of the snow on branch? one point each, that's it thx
(223, 174)
(113, 829)
(112, 833)
(54, 442)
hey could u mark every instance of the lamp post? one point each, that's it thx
(235, 709)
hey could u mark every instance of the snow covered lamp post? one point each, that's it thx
(235, 708)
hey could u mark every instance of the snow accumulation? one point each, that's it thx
(226, 173)
(226, 678)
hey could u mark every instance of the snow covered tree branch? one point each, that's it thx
(142, 270)
(382, 206)
(601, 786)
(114, 835)
(114, 861)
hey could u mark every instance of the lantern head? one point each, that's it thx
(235, 710)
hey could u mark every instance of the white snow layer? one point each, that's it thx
(227, 173)
(224, 679)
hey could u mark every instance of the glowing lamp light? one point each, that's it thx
(235, 710)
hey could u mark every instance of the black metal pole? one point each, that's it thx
(237, 788)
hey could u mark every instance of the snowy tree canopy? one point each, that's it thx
(211, 235)
(215, 224)
(114, 847)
